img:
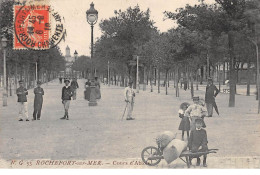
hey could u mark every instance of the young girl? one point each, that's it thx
(185, 122)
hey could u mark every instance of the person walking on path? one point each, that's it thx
(74, 86)
(38, 100)
(129, 99)
(195, 111)
(22, 101)
(185, 122)
(210, 95)
(66, 97)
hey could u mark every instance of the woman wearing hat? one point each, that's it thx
(38, 91)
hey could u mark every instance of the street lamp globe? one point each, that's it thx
(92, 15)
(4, 42)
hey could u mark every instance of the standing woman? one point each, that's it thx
(38, 100)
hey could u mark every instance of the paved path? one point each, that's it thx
(97, 133)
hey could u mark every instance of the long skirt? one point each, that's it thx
(185, 124)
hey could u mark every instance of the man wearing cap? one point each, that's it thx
(194, 112)
(67, 93)
(38, 91)
(22, 101)
(129, 99)
(210, 95)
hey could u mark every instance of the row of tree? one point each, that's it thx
(224, 32)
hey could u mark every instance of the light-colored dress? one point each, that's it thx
(194, 112)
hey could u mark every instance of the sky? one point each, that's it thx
(79, 31)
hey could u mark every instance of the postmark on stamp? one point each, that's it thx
(37, 27)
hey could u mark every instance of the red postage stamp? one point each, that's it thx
(32, 27)
(37, 27)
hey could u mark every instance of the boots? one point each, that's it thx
(198, 162)
(204, 162)
(65, 116)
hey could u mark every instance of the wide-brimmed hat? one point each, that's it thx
(21, 81)
(66, 80)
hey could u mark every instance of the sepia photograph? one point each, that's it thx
(130, 84)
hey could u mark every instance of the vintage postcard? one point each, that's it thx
(129, 84)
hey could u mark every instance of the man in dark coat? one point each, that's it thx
(210, 95)
(67, 93)
(38, 91)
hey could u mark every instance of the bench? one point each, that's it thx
(226, 91)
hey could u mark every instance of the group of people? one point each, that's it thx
(68, 92)
(22, 93)
(193, 121)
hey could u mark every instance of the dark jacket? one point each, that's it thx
(21, 94)
(67, 93)
(74, 84)
(211, 92)
(38, 91)
(198, 138)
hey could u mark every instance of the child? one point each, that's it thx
(185, 122)
(195, 111)
(38, 91)
(198, 141)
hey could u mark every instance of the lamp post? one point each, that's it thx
(4, 44)
(76, 57)
(92, 17)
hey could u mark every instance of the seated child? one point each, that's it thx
(198, 141)
(185, 122)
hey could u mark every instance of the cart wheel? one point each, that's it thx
(151, 152)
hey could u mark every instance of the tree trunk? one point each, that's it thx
(174, 85)
(144, 82)
(158, 80)
(191, 89)
(232, 79)
(224, 72)
(248, 78)
(166, 80)
(177, 81)
(151, 78)
(155, 76)
(197, 81)
(218, 73)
